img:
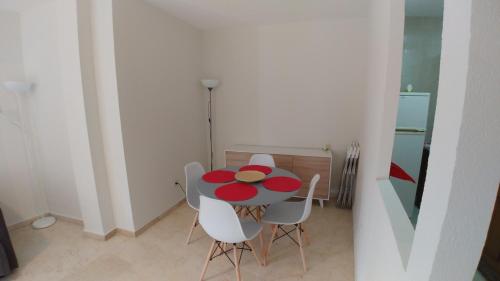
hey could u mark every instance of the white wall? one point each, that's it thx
(17, 186)
(464, 164)
(294, 84)
(39, 29)
(11, 57)
(375, 249)
(158, 62)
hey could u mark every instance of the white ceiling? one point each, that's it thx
(209, 14)
(16, 5)
(424, 8)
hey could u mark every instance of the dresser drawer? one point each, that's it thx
(283, 161)
(306, 167)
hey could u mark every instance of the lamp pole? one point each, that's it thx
(210, 127)
(210, 84)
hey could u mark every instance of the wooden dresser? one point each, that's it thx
(304, 162)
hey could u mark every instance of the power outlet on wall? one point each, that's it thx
(179, 185)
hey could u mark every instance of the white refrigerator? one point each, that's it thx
(409, 142)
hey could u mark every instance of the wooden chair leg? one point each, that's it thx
(244, 211)
(236, 263)
(266, 252)
(299, 238)
(238, 210)
(305, 235)
(261, 241)
(207, 261)
(254, 252)
(261, 236)
(195, 221)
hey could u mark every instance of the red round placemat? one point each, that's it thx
(282, 184)
(265, 169)
(236, 191)
(219, 176)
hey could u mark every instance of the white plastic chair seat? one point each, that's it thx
(195, 205)
(285, 213)
(262, 159)
(250, 228)
(221, 222)
(194, 171)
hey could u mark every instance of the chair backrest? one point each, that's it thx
(308, 205)
(262, 159)
(219, 220)
(194, 171)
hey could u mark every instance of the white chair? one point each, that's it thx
(262, 159)
(194, 171)
(288, 214)
(220, 221)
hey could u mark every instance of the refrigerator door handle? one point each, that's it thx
(410, 130)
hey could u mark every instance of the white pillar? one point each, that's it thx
(94, 198)
(108, 110)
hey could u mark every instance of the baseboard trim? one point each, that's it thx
(31, 220)
(115, 231)
(67, 219)
(126, 233)
(133, 234)
(24, 223)
(100, 237)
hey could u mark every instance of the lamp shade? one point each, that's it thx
(17, 86)
(210, 83)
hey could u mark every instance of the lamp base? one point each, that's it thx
(43, 222)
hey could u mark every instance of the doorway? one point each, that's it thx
(417, 102)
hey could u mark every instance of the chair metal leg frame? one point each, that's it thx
(287, 233)
(249, 211)
(298, 242)
(219, 248)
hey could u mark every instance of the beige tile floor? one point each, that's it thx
(63, 253)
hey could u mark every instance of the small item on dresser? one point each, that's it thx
(409, 88)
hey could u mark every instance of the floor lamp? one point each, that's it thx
(22, 88)
(210, 84)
